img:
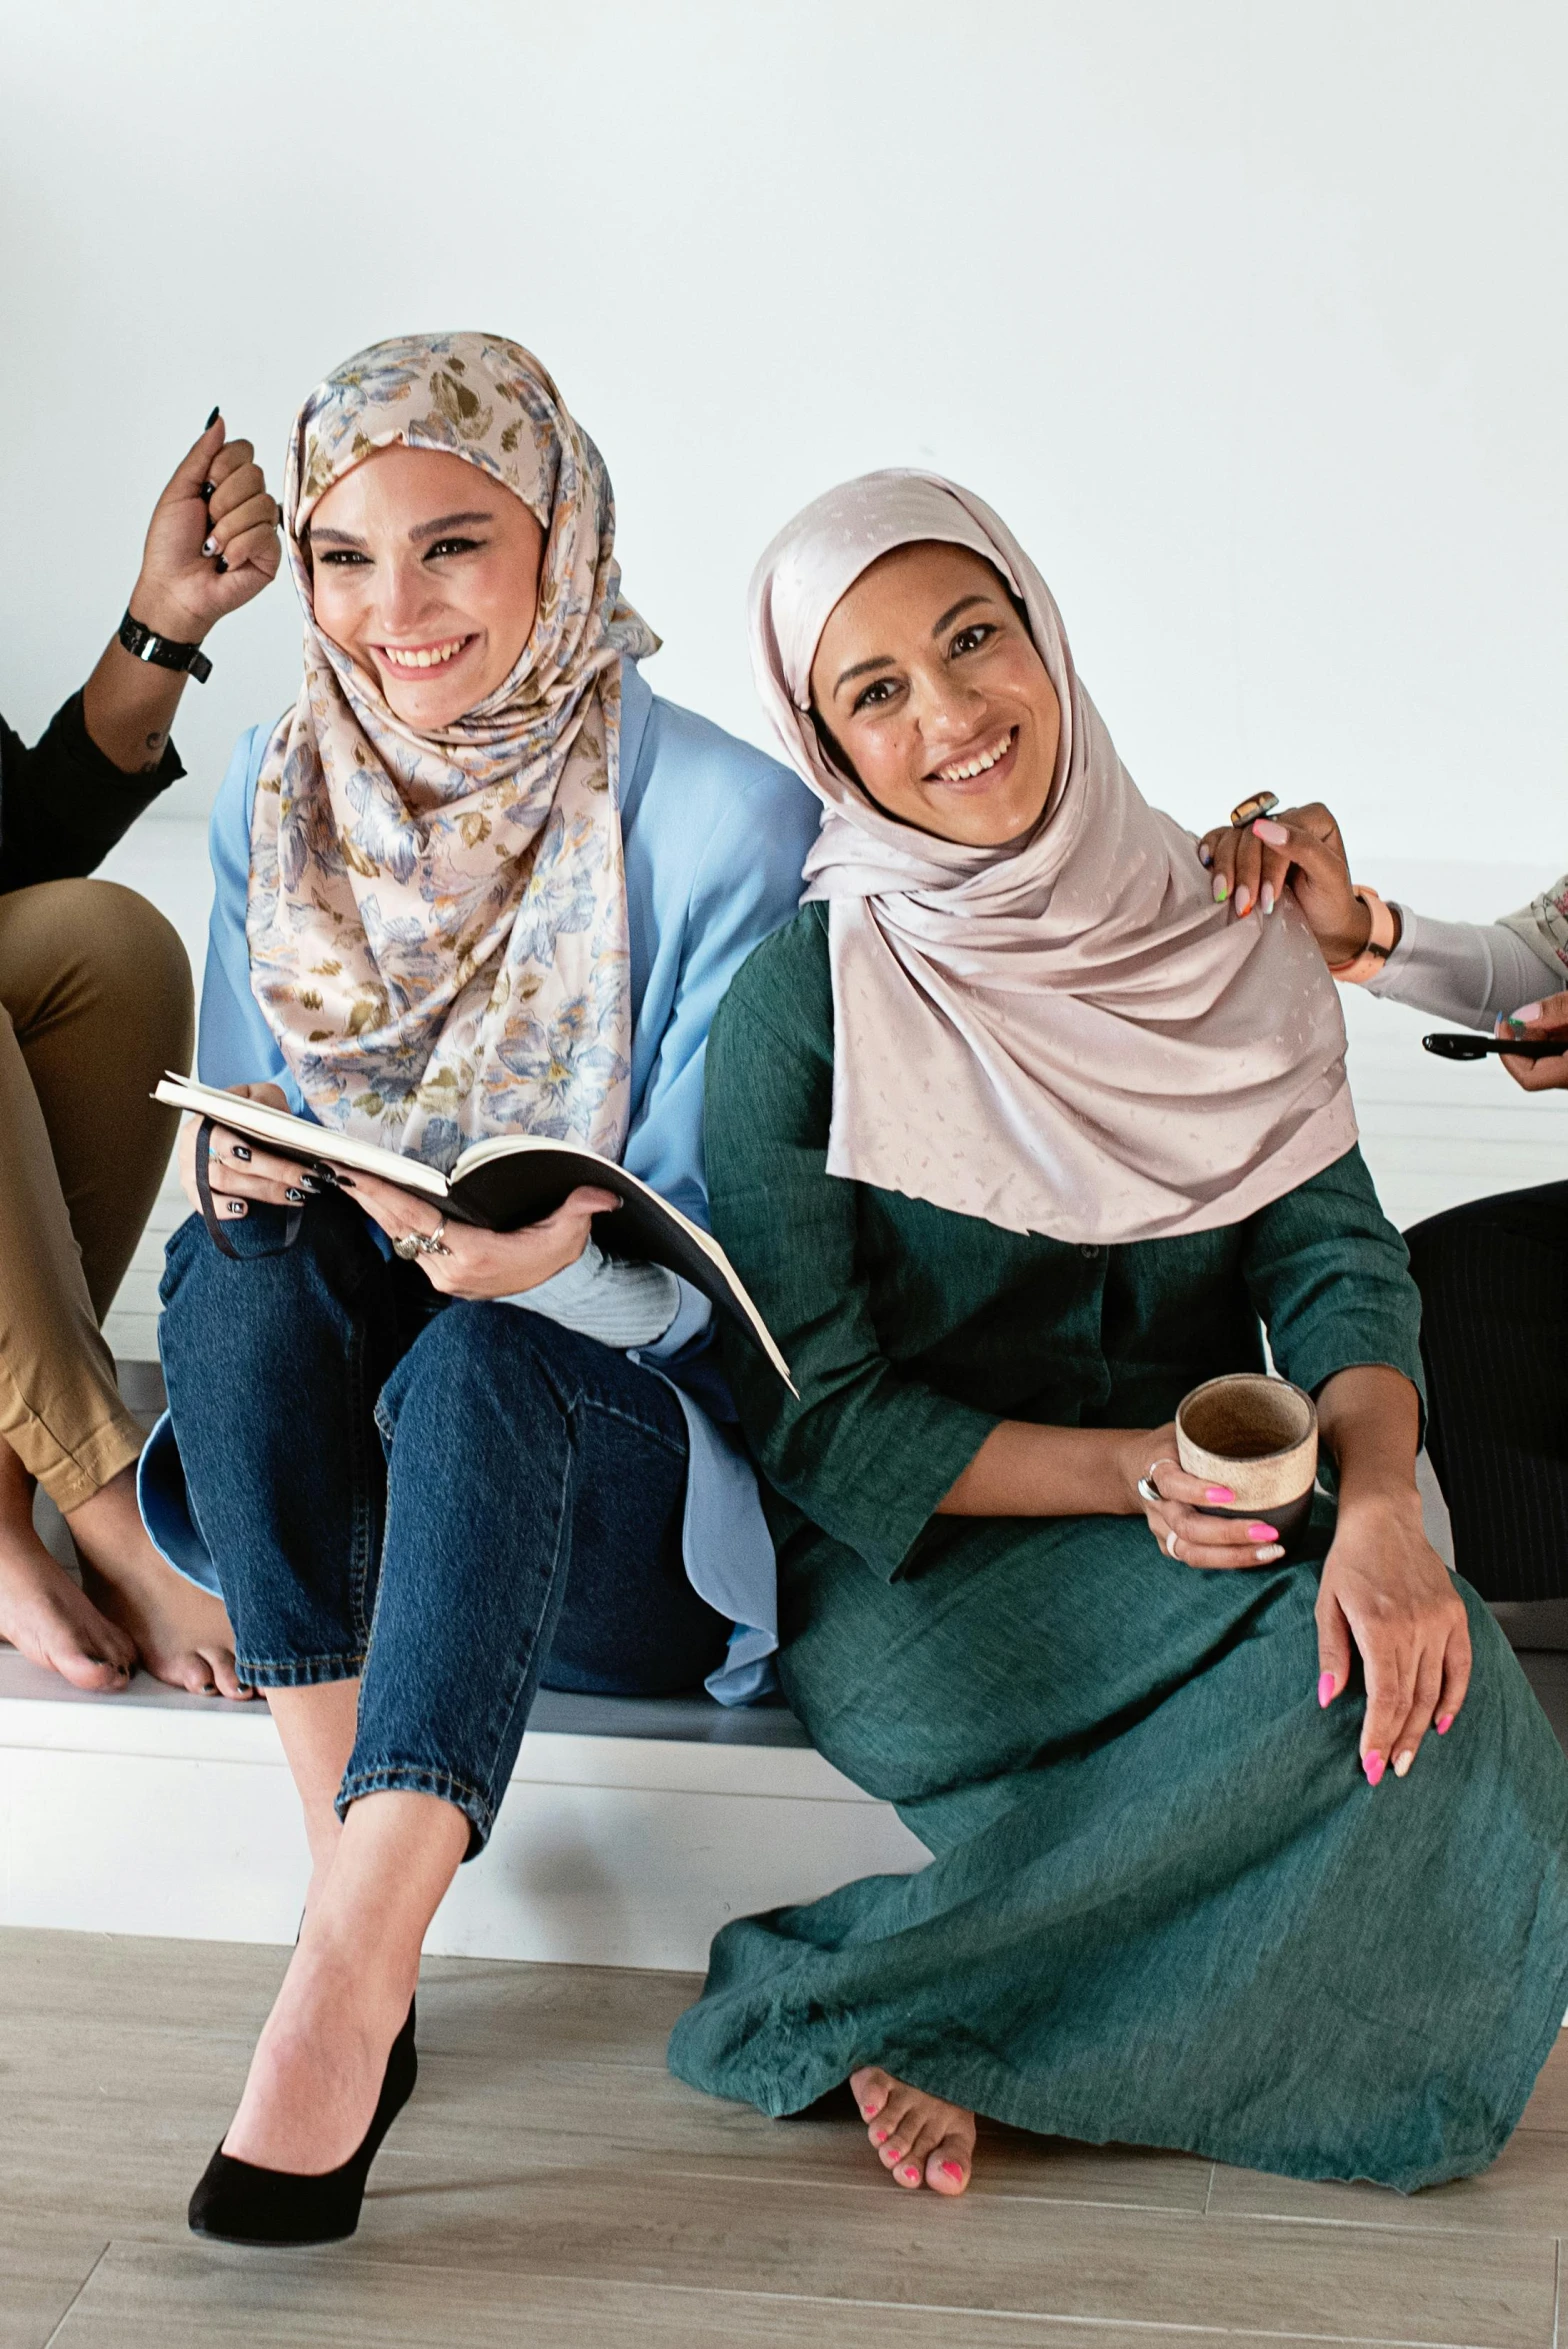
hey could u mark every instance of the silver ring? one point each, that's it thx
(1170, 1546)
(1149, 1492)
(430, 1243)
(407, 1247)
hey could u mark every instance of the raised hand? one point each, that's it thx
(212, 543)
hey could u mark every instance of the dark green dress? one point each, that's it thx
(1165, 1907)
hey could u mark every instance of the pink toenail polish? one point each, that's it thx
(880, 2136)
(952, 2169)
(868, 2112)
(912, 2174)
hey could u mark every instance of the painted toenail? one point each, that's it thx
(912, 2174)
(952, 2169)
(880, 2136)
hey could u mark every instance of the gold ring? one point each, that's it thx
(1247, 811)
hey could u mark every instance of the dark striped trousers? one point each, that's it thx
(1494, 1333)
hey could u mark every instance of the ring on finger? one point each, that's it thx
(1247, 811)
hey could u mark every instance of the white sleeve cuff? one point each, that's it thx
(605, 1297)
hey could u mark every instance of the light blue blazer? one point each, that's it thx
(715, 837)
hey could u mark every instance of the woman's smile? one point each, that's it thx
(424, 656)
(981, 770)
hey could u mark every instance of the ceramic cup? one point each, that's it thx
(1259, 1436)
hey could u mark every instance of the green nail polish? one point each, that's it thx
(1221, 890)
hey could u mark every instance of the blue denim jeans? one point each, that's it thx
(448, 1501)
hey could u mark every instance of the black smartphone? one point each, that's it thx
(1455, 1045)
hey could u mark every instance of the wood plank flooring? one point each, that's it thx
(551, 2184)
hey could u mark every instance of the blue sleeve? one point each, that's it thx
(746, 886)
(235, 1044)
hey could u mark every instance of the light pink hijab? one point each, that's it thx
(1065, 1035)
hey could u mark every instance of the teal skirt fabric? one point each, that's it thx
(1164, 1906)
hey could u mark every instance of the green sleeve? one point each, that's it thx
(865, 1452)
(1330, 1278)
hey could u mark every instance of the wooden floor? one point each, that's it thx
(551, 2185)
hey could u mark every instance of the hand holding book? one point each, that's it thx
(472, 1263)
(515, 1200)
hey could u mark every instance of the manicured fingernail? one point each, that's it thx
(1221, 889)
(213, 418)
(1526, 1013)
(345, 1182)
(952, 2169)
(1244, 902)
(1372, 1763)
(1402, 1764)
(294, 1195)
(206, 489)
(1268, 1556)
(236, 1206)
(1445, 1722)
(911, 2174)
(242, 1152)
(1263, 1533)
(1218, 1492)
(220, 564)
(209, 1688)
(1205, 855)
(1264, 828)
(1266, 899)
(209, 546)
(306, 1184)
(1328, 1688)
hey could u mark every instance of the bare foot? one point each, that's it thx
(51, 1622)
(181, 1633)
(316, 2075)
(923, 2141)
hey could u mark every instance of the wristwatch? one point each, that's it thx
(164, 652)
(1382, 937)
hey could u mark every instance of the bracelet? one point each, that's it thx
(164, 652)
(1382, 938)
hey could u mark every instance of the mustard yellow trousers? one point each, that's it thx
(95, 1003)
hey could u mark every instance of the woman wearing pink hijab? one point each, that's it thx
(1016, 1138)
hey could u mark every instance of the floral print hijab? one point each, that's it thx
(437, 922)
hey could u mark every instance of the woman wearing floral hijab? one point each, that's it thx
(477, 881)
(1016, 1138)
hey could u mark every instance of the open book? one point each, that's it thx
(510, 1180)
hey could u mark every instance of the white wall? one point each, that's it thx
(1247, 312)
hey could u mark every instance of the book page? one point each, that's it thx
(299, 1137)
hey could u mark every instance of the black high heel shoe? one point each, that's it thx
(238, 2202)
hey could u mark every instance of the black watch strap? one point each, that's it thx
(164, 652)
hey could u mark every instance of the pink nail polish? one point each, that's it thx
(1264, 828)
(868, 2112)
(952, 2169)
(1372, 1763)
(1266, 899)
(880, 2136)
(1243, 902)
(1327, 1688)
(1445, 1722)
(1263, 1533)
(912, 2174)
(1218, 1492)
(1529, 1013)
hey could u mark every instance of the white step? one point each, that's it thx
(631, 1830)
